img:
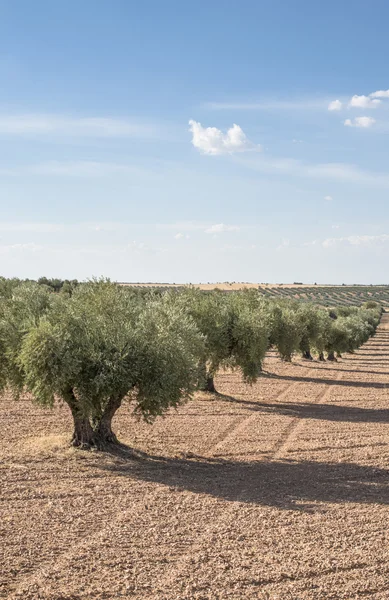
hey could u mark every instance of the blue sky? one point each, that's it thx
(187, 142)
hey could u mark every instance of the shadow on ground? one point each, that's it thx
(321, 380)
(354, 371)
(289, 485)
(307, 410)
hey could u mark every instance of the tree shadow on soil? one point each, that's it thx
(355, 371)
(322, 412)
(289, 485)
(320, 380)
(362, 360)
(366, 352)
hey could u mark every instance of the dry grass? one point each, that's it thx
(276, 491)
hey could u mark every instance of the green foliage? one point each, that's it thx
(102, 343)
(248, 336)
(96, 344)
(286, 328)
(21, 308)
(314, 324)
(233, 327)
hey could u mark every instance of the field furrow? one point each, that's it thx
(278, 490)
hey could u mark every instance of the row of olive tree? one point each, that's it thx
(105, 343)
(239, 328)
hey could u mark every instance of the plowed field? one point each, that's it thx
(275, 491)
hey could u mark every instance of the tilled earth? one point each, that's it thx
(275, 491)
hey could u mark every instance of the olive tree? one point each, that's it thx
(235, 334)
(22, 305)
(286, 328)
(102, 346)
(350, 330)
(314, 325)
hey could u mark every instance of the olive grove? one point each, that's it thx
(97, 345)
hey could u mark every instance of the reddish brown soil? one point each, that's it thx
(275, 491)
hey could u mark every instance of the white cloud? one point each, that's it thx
(335, 105)
(179, 236)
(363, 122)
(335, 226)
(329, 198)
(356, 240)
(67, 126)
(380, 94)
(220, 228)
(363, 102)
(211, 140)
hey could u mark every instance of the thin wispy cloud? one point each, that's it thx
(221, 228)
(31, 227)
(210, 140)
(271, 104)
(19, 248)
(71, 126)
(356, 240)
(94, 169)
(298, 104)
(285, 243)
(342, 172)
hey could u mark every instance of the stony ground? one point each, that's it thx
(276, 491)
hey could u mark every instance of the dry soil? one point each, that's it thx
(275, 491)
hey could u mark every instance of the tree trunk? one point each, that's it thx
(338, 355)
(209, 384)
(206, 383)
(83, 433)
(103, 434)
(331, 356)
(307, 355)
(321, 356)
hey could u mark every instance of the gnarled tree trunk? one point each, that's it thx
(83, 435)
(307, 355)
(100, 435)
(321, 356)
(331, 356)
(103, 434)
